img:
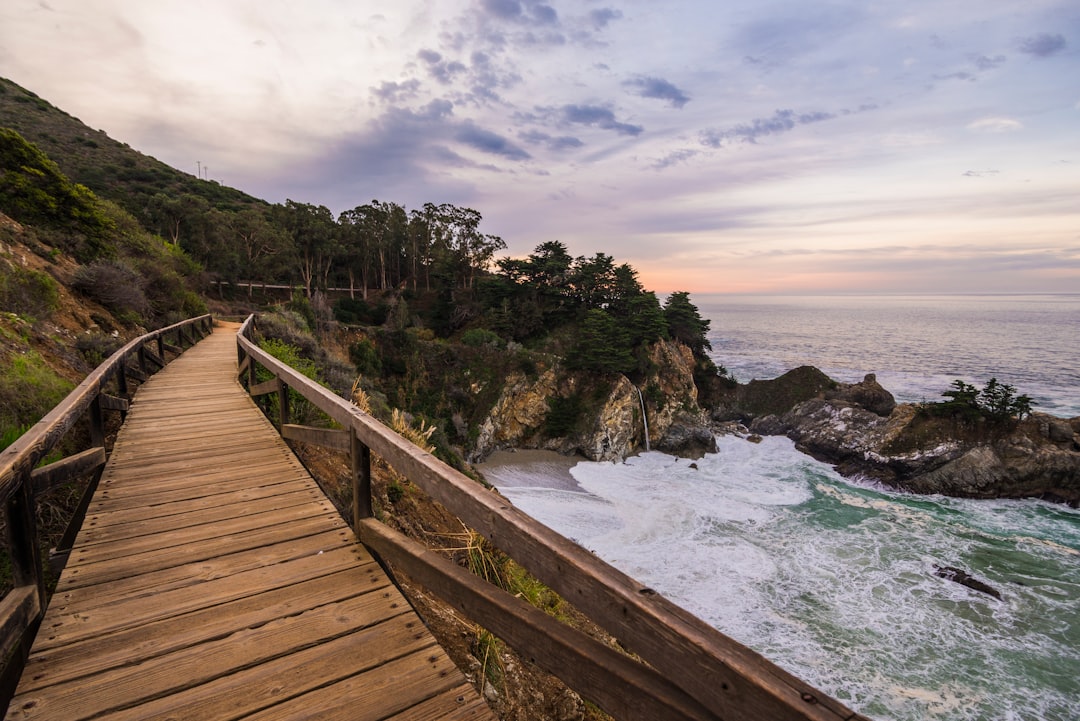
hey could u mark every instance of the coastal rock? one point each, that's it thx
(687, 437)
(611, 427)
(957, 575)
(923, 454)
(518, 414)
(868, 394)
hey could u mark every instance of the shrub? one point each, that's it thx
(116, 286)
(27, 292)
(563, 414)
(365, 357)
(476, 337)
(29, 389)
(96, 347)
(997, 402)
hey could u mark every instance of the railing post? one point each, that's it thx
(121, 379)
(161, 348)
(360, 462)
(283, 404)
(142, 359)
(23, 538)
(97, 423)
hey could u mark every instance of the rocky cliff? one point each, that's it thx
(862, 431)
(607, 423)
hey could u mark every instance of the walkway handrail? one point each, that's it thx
(21, 481)
(691, 670)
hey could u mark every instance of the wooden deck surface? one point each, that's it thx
(212, 579)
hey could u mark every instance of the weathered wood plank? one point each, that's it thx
(188, 519)
(66, 470)
(264, 388)
(336, 439)
(99, 653)
(385, 691)
(77, 600)
(19, 607)
(274, 682)
(205, 662)
(133, 564)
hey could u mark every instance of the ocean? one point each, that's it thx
(832, 578)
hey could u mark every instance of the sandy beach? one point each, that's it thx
(530, 469)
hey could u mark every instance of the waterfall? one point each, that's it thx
(644, 417)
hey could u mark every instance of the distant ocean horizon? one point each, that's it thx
(916, 345)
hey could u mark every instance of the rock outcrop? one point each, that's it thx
(610, 427)
(1038, 457)
(860, 429)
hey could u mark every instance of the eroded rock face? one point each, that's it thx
(613, 428)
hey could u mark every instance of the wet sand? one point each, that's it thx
(530, 469)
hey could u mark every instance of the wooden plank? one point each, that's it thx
(69, 626)
(77, 600)
(599, 673)
(99, 653)
(385, 691)
(18, 610)
(329, 437)
(264, 388)
(200, 517)
(152, 509)
(190, 536)
(269, 684)
(112, 403)
(82, 574)
(66, 470)
(190, 667)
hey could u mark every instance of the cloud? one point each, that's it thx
(503, 9)
(1042, 45)
(995, 125)
(649, 87)
(440, 69)
(677, 157)
(781, 121)
(489, 142)
(393, 92)
(599, 116)
(530, 12)
(563, 142)
(601, 17)
(980, 173)
(984, 63)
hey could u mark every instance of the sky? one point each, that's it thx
(745, 146)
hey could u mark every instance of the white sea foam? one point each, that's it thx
(835, 581)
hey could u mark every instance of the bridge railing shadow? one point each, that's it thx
(24, 479)
(677, 666)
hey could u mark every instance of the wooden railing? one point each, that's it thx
(688, 669)
(21, 481)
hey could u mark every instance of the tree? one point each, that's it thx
(685, 323)
(603, 345)
(313, 233)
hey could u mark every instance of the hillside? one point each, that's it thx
(111, 169)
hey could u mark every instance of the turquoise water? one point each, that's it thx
(835, 581)
(832, 579)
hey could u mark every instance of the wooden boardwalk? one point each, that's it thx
(212, 579)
